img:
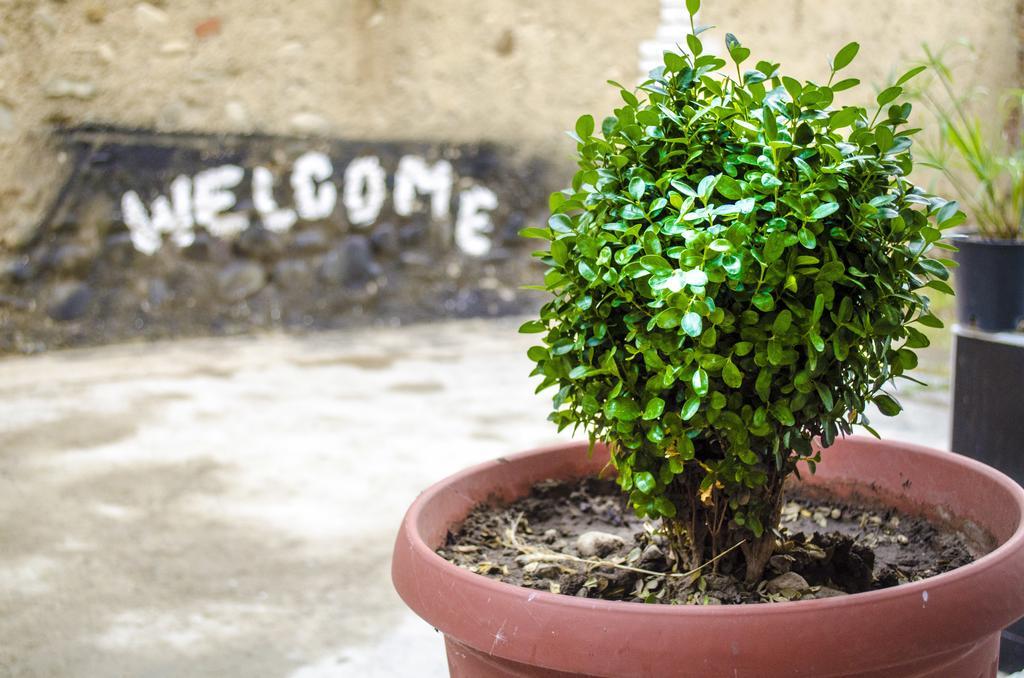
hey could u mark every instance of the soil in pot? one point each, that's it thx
(581, 538)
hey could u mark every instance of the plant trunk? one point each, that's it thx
(704, 527)
(758, 550)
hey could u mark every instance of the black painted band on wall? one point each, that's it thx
(159, 234)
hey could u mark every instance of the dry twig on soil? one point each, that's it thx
(547, 555)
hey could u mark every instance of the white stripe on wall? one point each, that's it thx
(672, 29)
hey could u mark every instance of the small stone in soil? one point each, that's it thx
(651, 554)
(789, 581)
(600, 544)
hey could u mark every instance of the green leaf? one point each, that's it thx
(559, 251)
(585, 126)
(763, 301)
(692, 7)
(674, 62)
(833, 270)
(706, 186)
(556, 200)
(781, 411)
(560, 223)
(624, 409)
(637, 187)
(846, 84)
(804, 135)
(690, 408)
(916, 338)
(731, 375)
(940, 286)
(844, 117)
(888, 95)
(668, 319)
(763, 384)
(632, 213)
(774, 246)
(747, 456)
(826, 397)
(694, 43)
(883, 139)
(935, 268)
(665, 507)
(738, 52)
(533, 327)
(792, 86)
(908, 359)
(819, 308)
(693, 324)
(845, 56)
(695, 277)
(746, 205)
(645, 482)
(887, 405)
(654, 409)
(771, 126)
(947, 213)
(700, 382)
(913, 72)
(656, 264)
(733, 266)
(720, 245)
(534, 232)
(807, 238)
(783, 321)
(578, 371)
(685, 448)
(824, 210)
(729, 188)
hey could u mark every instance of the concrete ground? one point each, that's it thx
(226, 507)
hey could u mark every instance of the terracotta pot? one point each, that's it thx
(944, 626)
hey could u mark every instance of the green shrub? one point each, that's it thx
(735, 272)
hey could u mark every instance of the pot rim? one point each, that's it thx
(974, 238)
(919, 589)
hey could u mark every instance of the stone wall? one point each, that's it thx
(143, 142)
(510, 72)
(107, 105)
(803, 34)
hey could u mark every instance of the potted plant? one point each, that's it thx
(986, 170)
(736, 273)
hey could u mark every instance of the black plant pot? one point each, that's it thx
(990, 284)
